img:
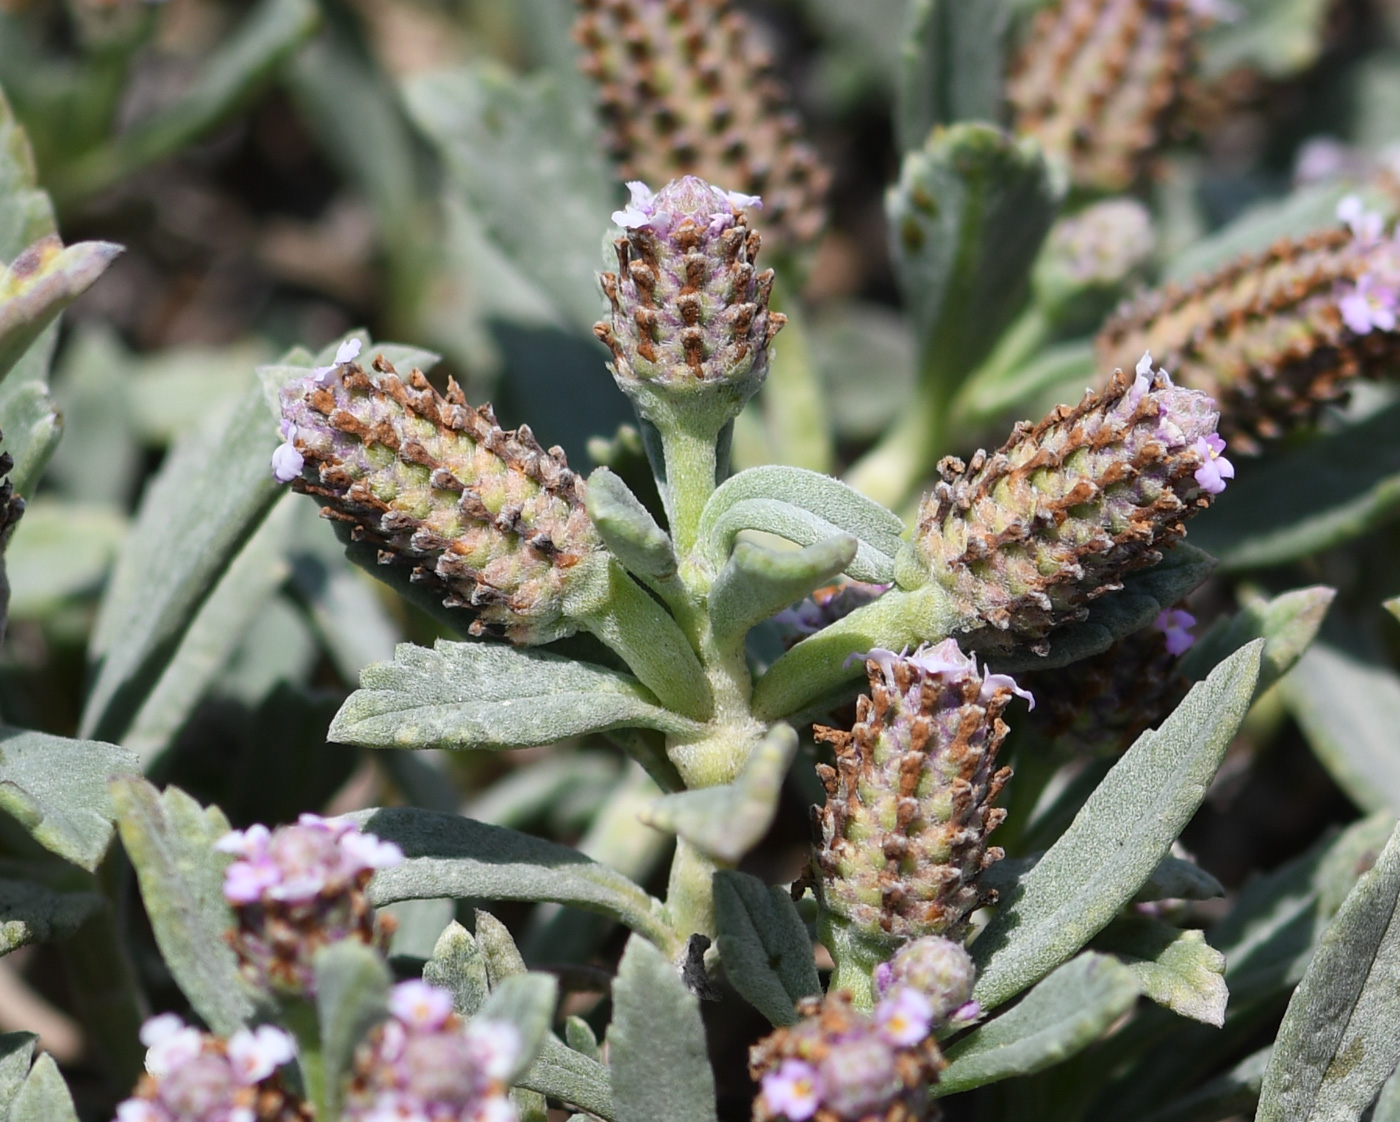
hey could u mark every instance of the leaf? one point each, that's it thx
(1387, 1106)
(170, 839)
(1176, 879)
(528, 158)
(16, 1048)
(997, 388)
(764, 945)
(578, 1034)
(1176, 969)
(1302, 501)
(1340, 1038)
(1064, 1014)
(823, 506)
(525, 1001)
(26, 214)
(44, 1096)
(1119, 837)
(209, 497)
(966, 220)
(29, 420)
(1287, 624)
(35, 913)
(59, 550)
(1234, 1093)
(56, 789)
(1279, 38)
(727, 821)
(458, 965)
(563, 1073)
(244, 62)
(456, 857)
(352, 990)
(39, 283)
(489, 695)
(950, 66)
(628, 529)
(660, 1067)
(757, 583)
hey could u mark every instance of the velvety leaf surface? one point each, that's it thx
(38, 284)
(44, 1096)
(1287, 624)
(33, 913)
(59, 550)
(757, 583)
(16, 1053)
(525, 1001)
(1176, 969)
(764, 945)
(950, 66)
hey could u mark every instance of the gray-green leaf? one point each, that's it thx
(38, 284)
(44, 1096)
(1287, 624)
(458, 965)
(757, 582)
(352, 987)
(950, 66)
(1119, 837)
(35, 913)
(628, 528)
(1177, 969)
(764, 945)
(525, 1001)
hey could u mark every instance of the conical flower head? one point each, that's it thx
(1276, 336)
(903, 834)
(690, 324)
(483, 515)
(1100, 81)
(1024, 538)
(685, 89)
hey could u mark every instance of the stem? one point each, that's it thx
(690, 898)
(691, 460)
(856, 956)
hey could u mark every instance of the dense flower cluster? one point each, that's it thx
(194, 1077)
(298, 888)
(425, 1063)
(938, 969)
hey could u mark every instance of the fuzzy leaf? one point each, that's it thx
(16, 1051)
(210, 495)
(784, 520)
(1279, 38)
(458, 965)
(660, 1067)
(29, 419)
(1301, 502)
(966, 220)
(26, 215)
(38, 284)
(834, 504)
(57, 790)
(1175, 968)
(1175, 879)
(1287, 624)
(764, 945)
(490, 695)
(1119, 837)
(35, 913)
(456, 857)
(727, 821)
(352, 988)
(951, 66)
(578, 1034)
(1388, 1105)
(757, 582)
(525, 1001)
(1066, 1012)
(1340, 1038)
(565, 1074)
(44, 1096)
(170, 839)
(60, 550)
(998, 388)
(628, 529)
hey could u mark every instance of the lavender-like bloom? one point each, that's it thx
(485, 517)
(838, 1065)
(1023, 539)
(425, 1062)
(1175, 625)
(298, 888)
(903, 834)
(939, 970)
(827, 605)
(690, 319)
(195, 1077)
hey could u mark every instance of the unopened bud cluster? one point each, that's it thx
(484, 515)
(1024, 538)
(192, 1076)
(1099, 83)
(684, 89)
(425, 1062)
(1274, 337)
(903, 834)
(1089, 259)
(297, 889)
(690, 324)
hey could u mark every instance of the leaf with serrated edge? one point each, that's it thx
(452, 856)
(170, 839)
(1340, 1038)
(44, 1096)
(1119, 837)
(57, 789)
(764, 945)
(1177, 969)
(34, 913)
(526, 1002)
(352, 987)
(1066, 1012)
(727, 821)
(660, 1067)
(489, 695)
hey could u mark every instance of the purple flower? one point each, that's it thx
(1370, 306)
(938, 970)
(1211, 475)
(256, 1055)
(904, 1016)
(686, 198)
(1366, 225)
(287, 462)
(943, 660)
(420, 1005)
(794, 1091)
(348, 351)
(169, 1043)
(859, 1075)
(1175, 624)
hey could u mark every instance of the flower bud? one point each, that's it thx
(1088, 260)
(1100, 82)
(684, 89)
(1023, 539)
(840, 1065)
(903, 834)
(1274, 337)
(939, 969)
(690, 324)
(483, 515)
(297, 889)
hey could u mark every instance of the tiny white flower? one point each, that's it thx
(256, 1055)
(495, 1046)
(420, 1005)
